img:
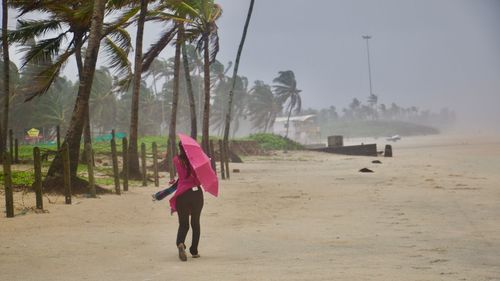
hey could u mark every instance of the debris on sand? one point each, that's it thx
(376, 162)
(365, 170)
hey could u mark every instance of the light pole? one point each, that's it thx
(368, 37)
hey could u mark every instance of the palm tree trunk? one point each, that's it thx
(74, 132)
(175, 99)
(235, 74)
(133, 155)
(287, 128)
(6, 78)
(206, 106)
(87, 139)
(189, 85)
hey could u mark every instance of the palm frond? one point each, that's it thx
(117, 57)
(42, 81)
(157, 47)
(122, 39)
(43, 50)
(27, 29)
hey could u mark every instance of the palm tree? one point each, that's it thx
(4, 125)
(287, 93)
(133, 155)
(205, 24)
(103, 102)
(189, 87)
(74, 132)
(235, 73)
(263, 107)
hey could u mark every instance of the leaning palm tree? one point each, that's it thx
(235, 73)
(69, 19)
(76, 126)
(287, 93)
(133, 155)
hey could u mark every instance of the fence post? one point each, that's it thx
(38, 177)
(58, 136)
(143, 165)
(125, 163)
(16, 151)
(113, 133)
(114, 159)
(226, 159)
(212, 156)
(155, 164)
(11, 146)
(7, 179)
(221, 156)
(67, 173)
(90, 168)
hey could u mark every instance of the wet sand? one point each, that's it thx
(431, 212)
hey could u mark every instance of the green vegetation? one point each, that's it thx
(374, 128)
(274, 142)
(21, 178)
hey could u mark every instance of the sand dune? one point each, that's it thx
(430, 213)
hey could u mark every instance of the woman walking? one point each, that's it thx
(188, 202)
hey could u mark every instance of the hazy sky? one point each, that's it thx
(427, 53)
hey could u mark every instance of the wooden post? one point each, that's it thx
(388, 151)
(58, 137)
(143, 165)
(90, 167)
(113, 134)
(7, 179)
(212, 156)
(11, 146)
(66, 173)
(16, 151)
(226, 159)
(221, 156)
(114, 159)
(125, 163)
(38, 177)
(155, 165)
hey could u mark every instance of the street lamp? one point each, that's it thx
(368, 37)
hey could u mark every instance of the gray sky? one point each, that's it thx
(427, 53)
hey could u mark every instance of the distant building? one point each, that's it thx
(303, 129)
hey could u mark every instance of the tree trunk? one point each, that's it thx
(189, 85)
(133, 155)
(175, 98)
(287, 128)
(74, 132)
(206, 106)
(235, 75)
(87, 138)
(6, 77)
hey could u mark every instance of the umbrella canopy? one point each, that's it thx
(201, 164)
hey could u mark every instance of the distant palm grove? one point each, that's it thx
(149, 94)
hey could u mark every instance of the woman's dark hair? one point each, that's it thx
(184, 159)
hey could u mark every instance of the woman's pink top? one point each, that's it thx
(184, 183)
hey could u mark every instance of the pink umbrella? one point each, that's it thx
(201, 164)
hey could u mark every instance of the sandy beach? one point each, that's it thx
(431, 212)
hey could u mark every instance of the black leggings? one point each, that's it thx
(189, 203)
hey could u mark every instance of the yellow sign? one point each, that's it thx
(33, 133)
